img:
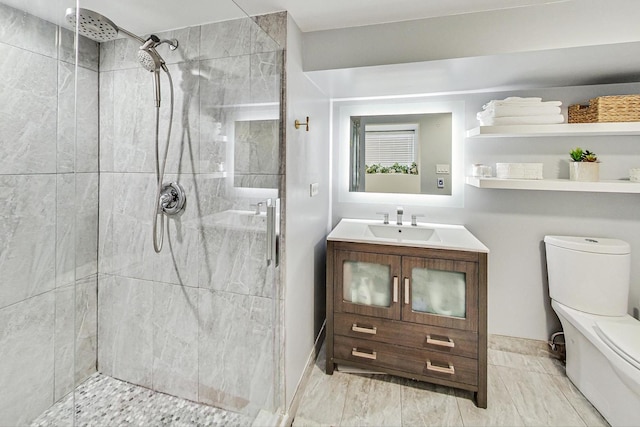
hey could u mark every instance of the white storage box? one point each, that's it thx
(519, 170)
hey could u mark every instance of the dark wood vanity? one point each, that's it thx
(414, 312)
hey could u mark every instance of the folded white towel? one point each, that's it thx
(521, 99)
(522, 120)
(522, 102)
(512, 111)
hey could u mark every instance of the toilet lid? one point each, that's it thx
(622, 337)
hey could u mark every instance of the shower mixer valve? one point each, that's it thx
(172, 199)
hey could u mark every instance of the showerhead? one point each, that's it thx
(95, 26)
(92, 25)
(150, 59)
(101, 29)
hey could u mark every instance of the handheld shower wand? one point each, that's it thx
(151, 60)
(170, 197)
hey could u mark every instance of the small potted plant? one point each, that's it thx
(584, 165)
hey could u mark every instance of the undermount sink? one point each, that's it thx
(401, 232)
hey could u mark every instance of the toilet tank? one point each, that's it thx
(589, 274)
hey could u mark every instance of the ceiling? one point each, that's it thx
(314, 15)
(147, 16)
(589, 65)
(576, 66)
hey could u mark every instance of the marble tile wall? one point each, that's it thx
(199, 319)
(49, 182)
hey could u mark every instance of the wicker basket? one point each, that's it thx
(618, 108)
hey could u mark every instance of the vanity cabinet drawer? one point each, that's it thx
(452, 341)
(413, 361)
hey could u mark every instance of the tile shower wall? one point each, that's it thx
(197, 321)
(48, 234)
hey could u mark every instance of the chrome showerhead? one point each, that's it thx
(95, 26)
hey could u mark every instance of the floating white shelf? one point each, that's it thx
(618, 186)
(565, 129)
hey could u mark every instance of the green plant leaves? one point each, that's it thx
(580, 155)
(411, 169)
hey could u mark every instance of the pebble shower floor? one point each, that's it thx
(104, 401)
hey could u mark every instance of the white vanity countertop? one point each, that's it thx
(455, 237)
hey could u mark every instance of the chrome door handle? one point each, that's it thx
(270, 231)
(273, 231)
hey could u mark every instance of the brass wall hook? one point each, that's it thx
(298, 124)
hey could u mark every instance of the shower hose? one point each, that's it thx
(157, 210)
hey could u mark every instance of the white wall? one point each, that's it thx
(307, 218)
(549, 26)
(513, 223)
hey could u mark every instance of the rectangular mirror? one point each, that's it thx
(404, 153)
(438, 132)
(256, 153)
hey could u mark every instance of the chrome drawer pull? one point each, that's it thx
(356, 328)
(450, 370)
(395, 288)
(406, 290)
(449, 343)
(373, 355)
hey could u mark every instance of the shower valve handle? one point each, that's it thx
(167, 198)
(172, 198)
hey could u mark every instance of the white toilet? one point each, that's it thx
(589, 289)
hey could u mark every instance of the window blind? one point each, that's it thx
(389, 147)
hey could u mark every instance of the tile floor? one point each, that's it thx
(524, 390)
(102, 401)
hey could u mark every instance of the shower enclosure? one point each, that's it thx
(87, 306)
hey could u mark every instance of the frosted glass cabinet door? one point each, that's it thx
(440, 292)
(367, 283)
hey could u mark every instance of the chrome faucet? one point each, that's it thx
(414, 219)
(400, 211)
(258, 207)
(386, 216)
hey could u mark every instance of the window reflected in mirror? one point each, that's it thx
(409, 154)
